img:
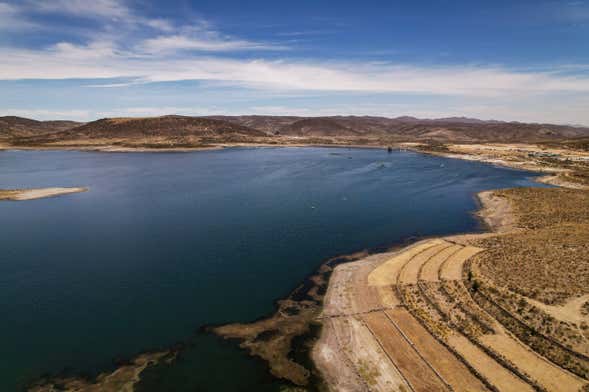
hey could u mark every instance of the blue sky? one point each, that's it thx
(86, 59)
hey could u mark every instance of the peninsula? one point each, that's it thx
(37, 193)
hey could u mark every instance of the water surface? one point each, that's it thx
(164, 243)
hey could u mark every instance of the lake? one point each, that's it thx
(164, 243)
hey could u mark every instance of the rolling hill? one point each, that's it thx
(178, 131)
(12, 126)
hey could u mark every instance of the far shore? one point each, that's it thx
(37, 193)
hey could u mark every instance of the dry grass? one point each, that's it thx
(542, 207)
(550, 260)
(549, 264)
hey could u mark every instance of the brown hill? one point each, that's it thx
(190, 131)
(165, 126)
(447, 131)
(317, 127)
(406, 128)
(150, 132)
(12, 126)
(268, 124)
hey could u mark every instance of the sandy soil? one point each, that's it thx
(502, 378)
(409, 272)
(452, 372)
(451, 268)
(365, 290)
(430, 270)
(569, 312)
(418, 372)
(544, 372)
(497, 213)
(40, 193)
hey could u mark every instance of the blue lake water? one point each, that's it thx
(166, 242)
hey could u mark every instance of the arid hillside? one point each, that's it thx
(452, 129)
(152, 132)
(197, 132)
(268, 124)
(318, 127)
(11, 126)
(157, 126)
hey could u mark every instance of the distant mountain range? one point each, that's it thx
(195, 131)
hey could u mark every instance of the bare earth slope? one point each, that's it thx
(11, 126)
(317, 127)
(157, 126)
(183, 131)
(157, 132)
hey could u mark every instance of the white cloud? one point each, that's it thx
(208, 41)
(103, 60)
(112, 9)
(160, 24)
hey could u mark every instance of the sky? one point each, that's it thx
(87, 59)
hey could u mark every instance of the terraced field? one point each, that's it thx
(414, 320)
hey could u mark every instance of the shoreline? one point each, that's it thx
(337, 370)
(380, 334)
(213, 147)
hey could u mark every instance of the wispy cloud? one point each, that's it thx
(104, 60)
(13, 19)
(205, 41)
(112, 9)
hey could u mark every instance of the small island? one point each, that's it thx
(36, 193)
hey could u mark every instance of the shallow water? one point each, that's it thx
(164, 243)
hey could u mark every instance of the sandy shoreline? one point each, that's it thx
(351, 355)
(37, 193)
(413, 320)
